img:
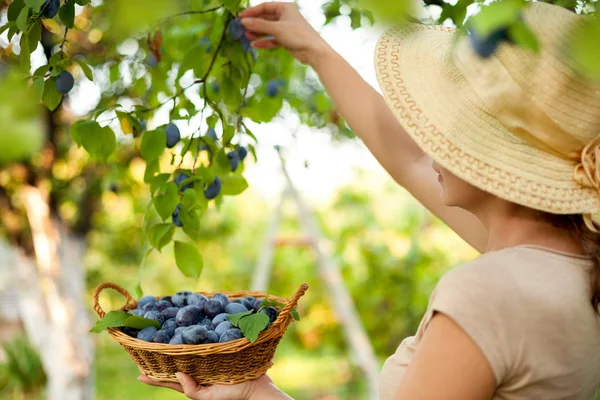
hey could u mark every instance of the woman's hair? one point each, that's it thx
(590, 242)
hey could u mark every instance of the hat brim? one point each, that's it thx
(436, 106)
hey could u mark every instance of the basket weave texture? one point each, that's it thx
(219, 363)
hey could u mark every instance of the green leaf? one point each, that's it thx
(41, 71)
(271, 303)
(190, 198)
(252, 325)
(152, 168)
(497, 15)
(233, 185)
(85, 68)
(111, 320)
(138, 290)
(5, 27)
(51, 97)
(158, 181)
(137, 322)
(153, 144)
(34, 36)
(188, 259)
(235, 318)
(524, 36)
(295, 314)
(14, 10)
(83, 2)
(160, 235)
(22, 19)
(38, 88)
(584, 48)
(99, 142)
(190, 218)
(196, 59)
(67, 14)
(166, 202)
(35, 4)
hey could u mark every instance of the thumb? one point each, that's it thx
(259, 25)
(189, 385)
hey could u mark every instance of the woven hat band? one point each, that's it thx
(522, 116)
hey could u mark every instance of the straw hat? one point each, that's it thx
(522, 126)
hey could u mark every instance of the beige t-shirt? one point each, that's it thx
(529, 311)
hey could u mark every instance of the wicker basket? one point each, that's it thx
(219, 363)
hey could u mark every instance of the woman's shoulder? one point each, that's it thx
(522, 269)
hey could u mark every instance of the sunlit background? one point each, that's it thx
(389, 249)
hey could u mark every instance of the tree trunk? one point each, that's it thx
(52, 302)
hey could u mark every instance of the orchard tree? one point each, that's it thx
(93, 91)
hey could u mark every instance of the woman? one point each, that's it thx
(514, 140)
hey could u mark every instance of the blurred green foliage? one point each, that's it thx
(21, 374)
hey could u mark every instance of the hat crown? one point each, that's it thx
(567, 97)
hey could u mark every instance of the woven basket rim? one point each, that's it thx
(277, 328)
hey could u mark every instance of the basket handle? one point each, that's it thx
(130, 301)
(293, 302)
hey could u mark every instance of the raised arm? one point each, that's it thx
(363, 108)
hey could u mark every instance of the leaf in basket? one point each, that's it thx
(252, 325)
(271, 303)
(137, 322)
(110, 320)
(122, 318)
(235, 318)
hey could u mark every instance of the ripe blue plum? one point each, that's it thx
(258, 304)
(131, 331)
(162, 305)
(65, 82)
(234, 308)
(242, 153)
(214, 189)
(147, 334)
(177, 339)
(231, 334)
(180, 299)
(179, 330)
(137, 312)
(194, 334)
(213, 307)
(222, 297)
(151, 61)
(486, 46)
(50, 8)
(179, 179)
(161, 337)
(147, 307)
(222, 327)
(173, 135)
(169, 326)
(146, 300)
(220, 318)
(236, 29)
(207, 323)
(271, 312)
(188, 315)
(249, 304)
(234, 160)
(212, 337)
(155, 315)
(246, 44)
(272, 88)
(198, 300)
(175, 216)
(205, 41)
(170, 312)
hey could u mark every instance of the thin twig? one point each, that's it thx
(192, 13)
(62, 45)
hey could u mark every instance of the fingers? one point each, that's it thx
(263, 8)
(189, 385)
(265, 44)
(169, 385)
(259, 25)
